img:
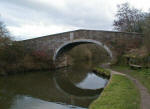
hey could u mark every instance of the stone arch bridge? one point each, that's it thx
(113, 42)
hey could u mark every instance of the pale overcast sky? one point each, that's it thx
(33, 18)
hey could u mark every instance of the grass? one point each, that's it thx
(120, 93)
(143, 75)
(102, 71)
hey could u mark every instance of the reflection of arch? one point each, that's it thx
(64, 85)
(79, 42)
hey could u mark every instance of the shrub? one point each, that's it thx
(16, 58)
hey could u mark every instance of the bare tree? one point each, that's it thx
(4, 35)
(128, 19)
(3, 31)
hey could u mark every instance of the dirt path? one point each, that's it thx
(145, 96)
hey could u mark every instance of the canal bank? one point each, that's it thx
(120, 93)
(140, 77)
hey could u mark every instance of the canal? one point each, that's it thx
(73, 87)
(67, 88)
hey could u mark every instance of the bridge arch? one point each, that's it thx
(79, 42)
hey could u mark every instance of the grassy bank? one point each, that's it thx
(102, 71)
(119, 94)
(143, 75)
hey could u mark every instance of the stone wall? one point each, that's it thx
(117, 42)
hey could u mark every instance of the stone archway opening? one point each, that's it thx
(71, 44)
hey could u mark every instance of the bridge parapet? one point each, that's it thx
(114, 42)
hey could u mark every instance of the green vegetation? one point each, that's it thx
(87, 53)
(15, 57)
(102, 71)
(130, 19)
(143, 75)
(119, 94)
(147, 32)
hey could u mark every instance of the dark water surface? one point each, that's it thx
(69, 88)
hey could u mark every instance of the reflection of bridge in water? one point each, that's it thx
(71, 90)
(42, 86)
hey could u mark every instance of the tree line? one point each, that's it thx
(130, 19)
(16, 58)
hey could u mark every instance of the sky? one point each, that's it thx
(27, 19)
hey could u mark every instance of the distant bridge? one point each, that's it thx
(113, 42)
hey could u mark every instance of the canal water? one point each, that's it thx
(68, 88)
